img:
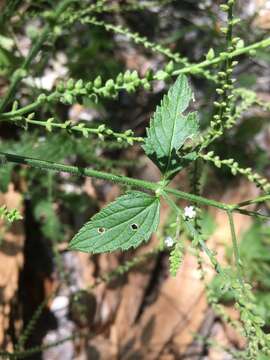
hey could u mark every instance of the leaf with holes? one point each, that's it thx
(123, 224)
(169, 129)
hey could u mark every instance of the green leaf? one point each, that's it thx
(169, 128)
(123, 224)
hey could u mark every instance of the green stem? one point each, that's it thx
(195, 234)
(228, 66)
(79, 127)
(230, 25)
(28, 108)
(76, 170)
(24, 336)
(257, 200)
(124, 180)
(235, 248)
(187, 69)
(21, 72)
(249, 213)
(48, 165)
(171, 203)
(197, 199)
(104, 278)
(137, 39)
(192, 68)
(39, 349)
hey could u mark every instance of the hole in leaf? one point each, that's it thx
(134, 226)
(101, 230)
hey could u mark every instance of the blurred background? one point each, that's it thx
(137, 311)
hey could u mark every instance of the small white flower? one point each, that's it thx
(169, 241)
(189, 212)
(71, 188)
(59, 306)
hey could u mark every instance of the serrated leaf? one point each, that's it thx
(123, 224)
(169, 128)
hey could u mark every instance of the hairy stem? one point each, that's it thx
(119, 179)
(195, 234)
(235, 248)
(76, 170)
(185, 70)
(192, 68)
(257, 200)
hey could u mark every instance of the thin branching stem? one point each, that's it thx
(122, 180)
(185, 70)
(235, 248)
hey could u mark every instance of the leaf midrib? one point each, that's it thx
(170, 154)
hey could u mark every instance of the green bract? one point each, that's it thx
(169, 128)
(123, 224)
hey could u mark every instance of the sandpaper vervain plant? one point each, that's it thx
(174, 140)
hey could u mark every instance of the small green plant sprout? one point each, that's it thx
(9, 215)
(133, 217)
